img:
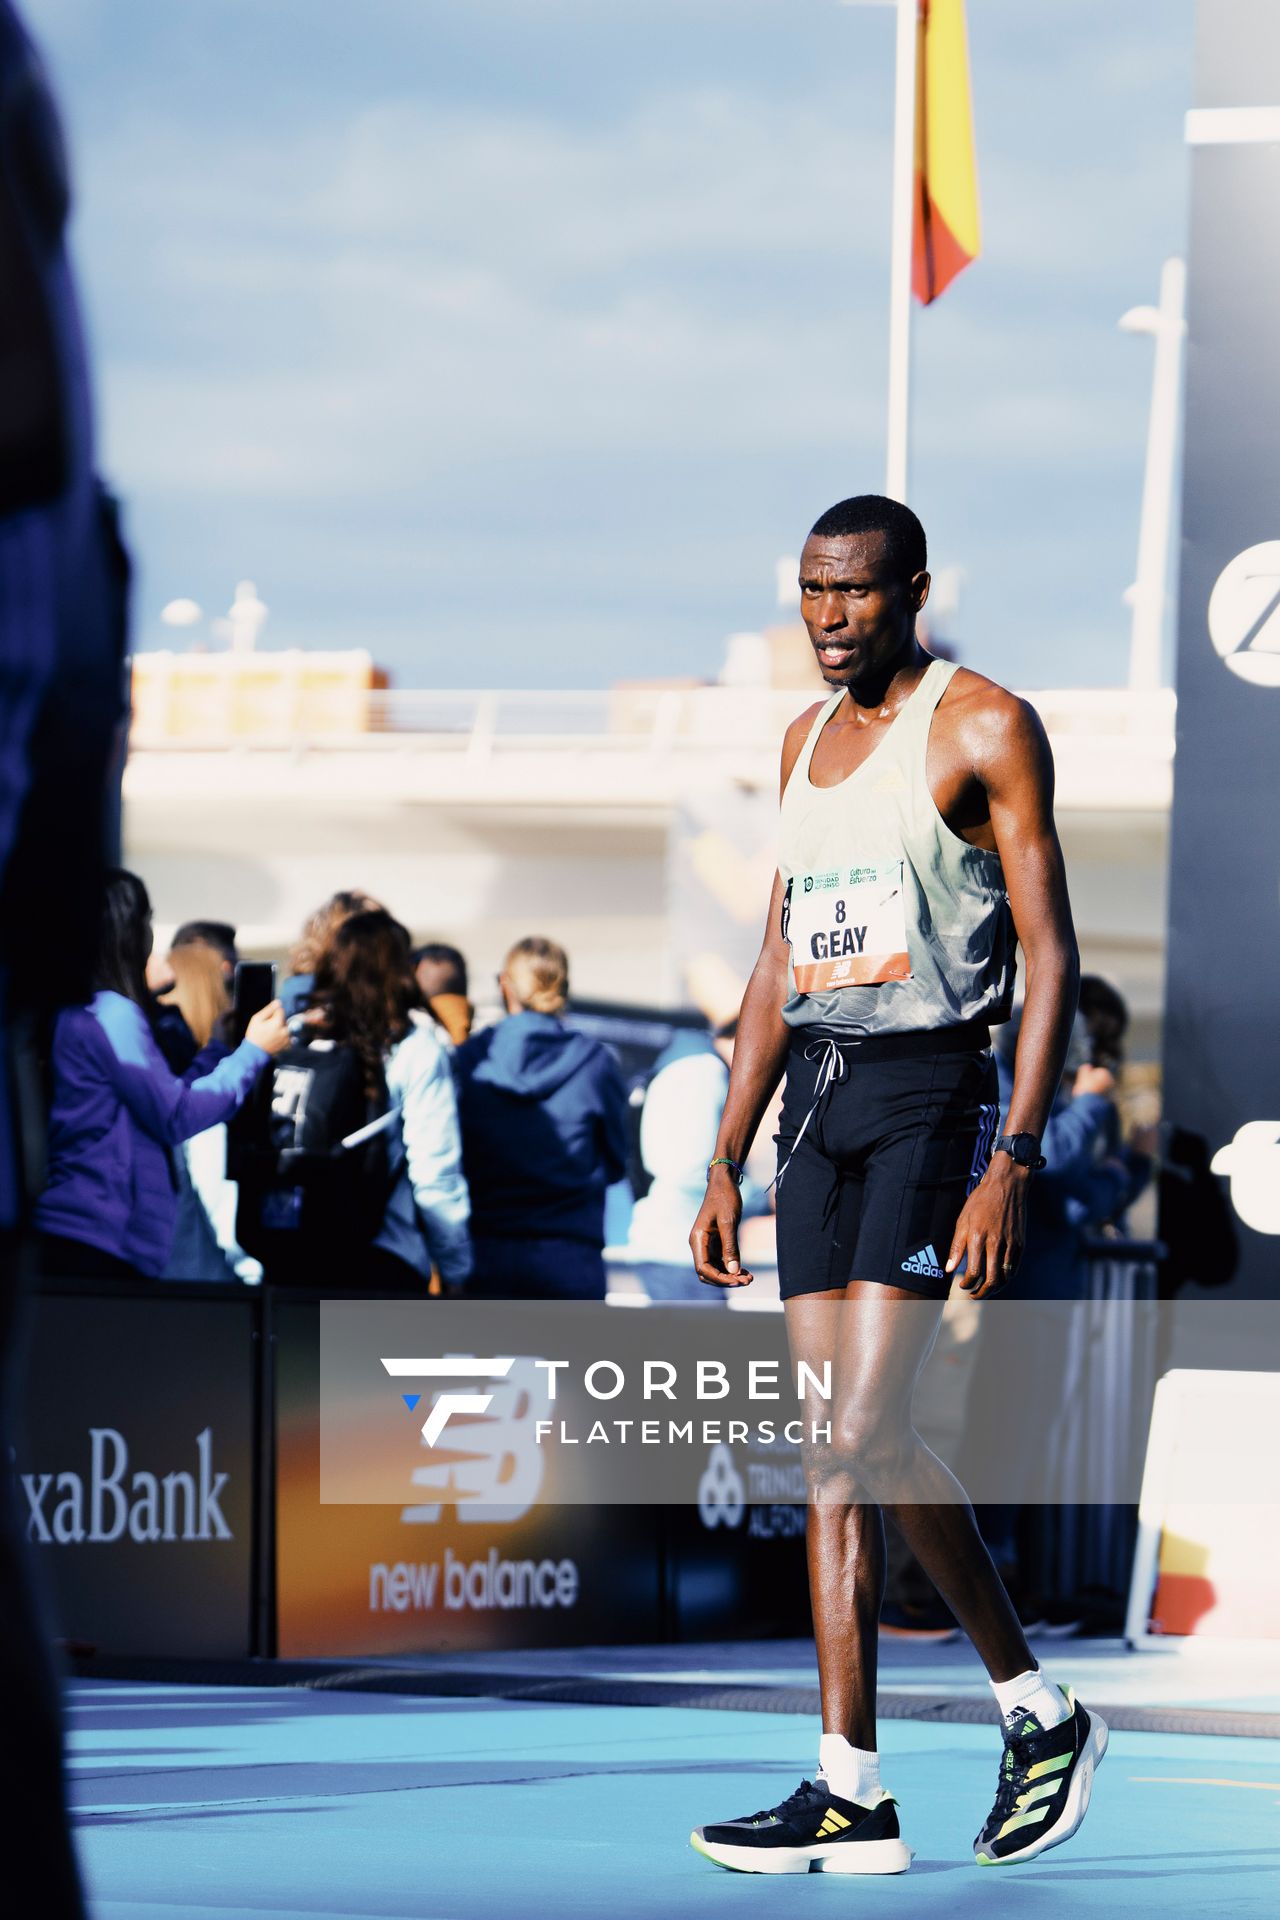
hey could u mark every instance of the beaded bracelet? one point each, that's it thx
(723, 1162)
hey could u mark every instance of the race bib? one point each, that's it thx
(848, 927)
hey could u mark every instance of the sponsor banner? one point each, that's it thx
(440, 1568)
(134, 1463)
(1221, 1033)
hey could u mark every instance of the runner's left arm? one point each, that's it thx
(1012, 758)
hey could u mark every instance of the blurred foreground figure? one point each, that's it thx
(63, 585)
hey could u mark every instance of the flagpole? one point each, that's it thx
(904, 161)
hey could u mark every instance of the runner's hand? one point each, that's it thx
(992, 1229)
(714, 1239)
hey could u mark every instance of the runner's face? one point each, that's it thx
(859, 617)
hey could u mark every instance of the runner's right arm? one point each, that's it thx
(759, 1056)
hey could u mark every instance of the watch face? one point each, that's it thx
(1022, 1148)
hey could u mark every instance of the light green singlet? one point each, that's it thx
(895, 924)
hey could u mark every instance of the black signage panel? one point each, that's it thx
(135, 1462)
(1222, 1020)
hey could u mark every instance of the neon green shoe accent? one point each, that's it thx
(1055, 1765)
(1023, 1820)
(1032, 1794)
(986, 1860)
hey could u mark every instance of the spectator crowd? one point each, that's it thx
(362, 1126)
(359, 1127)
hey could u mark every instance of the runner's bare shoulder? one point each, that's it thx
(987, 724)
(794, 738)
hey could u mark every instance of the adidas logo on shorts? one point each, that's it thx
(926, 1261)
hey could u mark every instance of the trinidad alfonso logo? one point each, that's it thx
(454, 1367)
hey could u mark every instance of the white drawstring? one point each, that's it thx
(834, 1067)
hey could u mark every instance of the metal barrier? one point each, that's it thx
(1088, 1550)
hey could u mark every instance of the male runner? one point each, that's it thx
(916, 844)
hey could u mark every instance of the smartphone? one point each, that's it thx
(255, 988)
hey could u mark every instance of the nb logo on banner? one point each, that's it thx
(1244, 614)
(492, 1465)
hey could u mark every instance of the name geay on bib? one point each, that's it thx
(847, 927)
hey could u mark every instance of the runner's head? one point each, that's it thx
(863, 580)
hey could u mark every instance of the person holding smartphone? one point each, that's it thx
(118, 1111)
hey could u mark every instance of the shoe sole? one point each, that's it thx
(1074, 1807)
(855, 1856)
(937, 1635)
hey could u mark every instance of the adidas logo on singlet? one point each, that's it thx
(926, 1261)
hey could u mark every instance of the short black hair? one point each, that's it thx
(218, 934)
(905, 545)
(445, 956)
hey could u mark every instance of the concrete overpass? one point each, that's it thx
(483, 816)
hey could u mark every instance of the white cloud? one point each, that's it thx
(354, 302)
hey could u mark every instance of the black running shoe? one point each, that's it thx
(812, 1831)
(1045, 1781)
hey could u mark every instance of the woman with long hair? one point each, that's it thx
(365, 995)
(118, 1112)
(313, 943)
(199, 990)
(197, 1002)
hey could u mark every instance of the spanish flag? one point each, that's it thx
(946, 234)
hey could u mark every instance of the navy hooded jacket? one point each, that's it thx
(544, 1129)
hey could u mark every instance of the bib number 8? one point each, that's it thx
(840, 910)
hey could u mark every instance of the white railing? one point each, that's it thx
(621, 720)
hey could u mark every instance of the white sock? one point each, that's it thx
(1036, 1694)
(852, 1773)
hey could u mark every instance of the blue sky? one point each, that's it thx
(516, 339)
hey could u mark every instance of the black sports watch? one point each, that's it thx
(1023, 1149)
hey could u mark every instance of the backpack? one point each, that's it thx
(314, 1159)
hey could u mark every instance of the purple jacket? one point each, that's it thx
(116, 1112)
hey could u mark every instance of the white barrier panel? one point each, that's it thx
(1205, 1563)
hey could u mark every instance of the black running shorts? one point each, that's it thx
(899, 1131)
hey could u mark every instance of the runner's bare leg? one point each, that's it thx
(877, 1339)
